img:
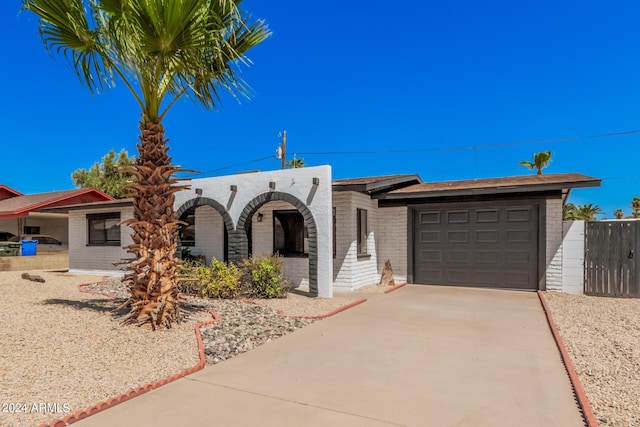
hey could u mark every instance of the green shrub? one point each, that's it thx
(262, 277)
(217, 280)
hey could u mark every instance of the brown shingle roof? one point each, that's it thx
(496, 185)
(375, 183)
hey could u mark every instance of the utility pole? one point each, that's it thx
(283, 146)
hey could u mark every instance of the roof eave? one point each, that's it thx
(538, 188)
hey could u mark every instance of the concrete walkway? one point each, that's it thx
(419, 356)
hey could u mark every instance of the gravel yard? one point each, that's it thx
(63, 350)
(602, 336)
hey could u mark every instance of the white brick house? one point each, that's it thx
(336, 235)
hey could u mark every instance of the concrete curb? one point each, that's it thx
(336, 311)
(396, 287)
(130, 394)
(581, 397)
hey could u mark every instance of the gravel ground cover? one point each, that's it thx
(602, 337)
(63, 350)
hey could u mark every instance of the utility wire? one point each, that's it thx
(472, 147)
(422, 150)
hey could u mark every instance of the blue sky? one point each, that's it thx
(366, 76)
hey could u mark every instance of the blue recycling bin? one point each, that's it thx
(29, 247)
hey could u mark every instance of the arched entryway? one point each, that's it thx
(190, 206)
(239, 240)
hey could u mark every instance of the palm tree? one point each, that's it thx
(619, 213)
(635, 205)
(162, 50)
(296, 163)
(588, 212)
(571, 212)
(540, 161)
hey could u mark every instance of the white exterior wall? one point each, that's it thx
(573, 257)
(391, 241)
(209, 234)
(553, 271)
(295, 182)
(96, 259)
(350, 271)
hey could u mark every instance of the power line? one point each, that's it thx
(422, 150)
(230, 166)
(472, 147)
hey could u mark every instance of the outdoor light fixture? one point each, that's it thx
(199, 191)
(272, 185)
(234, 188)
(316, 181)
(260, 216)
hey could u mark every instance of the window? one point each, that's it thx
(104, 228)
(290, 236)
(187, 233)
(362, 231)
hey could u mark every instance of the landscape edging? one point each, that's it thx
(587, 412)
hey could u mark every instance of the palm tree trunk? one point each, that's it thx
(154, 294)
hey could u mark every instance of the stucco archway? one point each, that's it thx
(206, 201)
(239, 243)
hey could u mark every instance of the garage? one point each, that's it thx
(483, 233)
(482, 245)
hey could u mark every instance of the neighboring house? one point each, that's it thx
(22, 214)
(336, 235)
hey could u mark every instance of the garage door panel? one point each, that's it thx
(482, 246)
(458, 257)
(458, 217)
(431, 256)
(519, 236)
(484, 216)
(518, 257)
(487, 236)
(430, 217)
(430, 237)
(487, 257)
(519, 215)
(459, 236)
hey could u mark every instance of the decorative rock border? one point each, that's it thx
(587, 412)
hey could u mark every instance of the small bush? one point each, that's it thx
(262, 277)
(218, 280)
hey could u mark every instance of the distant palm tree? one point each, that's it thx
(540, 161)
(295, 163)
(162, 51)
(619, 213)
(635, 205)
(571, 212)
(588, 212)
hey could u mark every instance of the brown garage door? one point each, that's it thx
(475, 245)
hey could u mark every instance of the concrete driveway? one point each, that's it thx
(419, 356)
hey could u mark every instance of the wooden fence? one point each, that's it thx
(611, 267)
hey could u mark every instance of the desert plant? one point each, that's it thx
(262, 276)
(218, 280)
(619, 213)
